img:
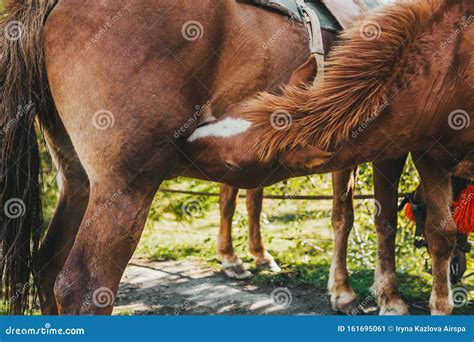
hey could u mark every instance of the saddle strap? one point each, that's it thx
(313, 27)
(348, 11)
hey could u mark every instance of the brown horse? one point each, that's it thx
(422, 63)
(115, 87)
(387, 175)
(343, 297)
(87, 162)
(231, 263)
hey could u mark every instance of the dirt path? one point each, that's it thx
(191, 288)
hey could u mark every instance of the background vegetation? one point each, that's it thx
(297, 233)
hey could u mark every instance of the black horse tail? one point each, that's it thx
(24, 94)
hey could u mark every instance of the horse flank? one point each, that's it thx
(353, 89)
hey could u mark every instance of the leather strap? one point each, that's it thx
(313, 27)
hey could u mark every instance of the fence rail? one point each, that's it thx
(272, 197)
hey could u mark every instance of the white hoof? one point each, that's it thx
(236, 270)
(345, 302)
(267, 262)
(394, 308)
(441, 306)
(272, 266)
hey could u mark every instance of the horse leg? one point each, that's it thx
(72, 204)
(231, 263)
(262, 258)
(106, 240)
(343, 298)
(440, 231)
(386, 178)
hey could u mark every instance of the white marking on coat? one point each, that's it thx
(226, 128)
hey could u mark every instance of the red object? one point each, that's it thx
(463, 211)
(409, 212)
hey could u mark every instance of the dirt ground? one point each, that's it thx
(189, 287)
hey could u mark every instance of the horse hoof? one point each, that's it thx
(236, 270)
(395, 307)
(441, 306)
(345, 302)
(441, 312)
(267, 262)
(270, 265)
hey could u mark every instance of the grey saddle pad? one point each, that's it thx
(290, 8)
(327, 19)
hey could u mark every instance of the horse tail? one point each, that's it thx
(24, 93)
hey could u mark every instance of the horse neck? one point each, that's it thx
(414, 115)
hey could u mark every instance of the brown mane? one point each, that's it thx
(358, 73)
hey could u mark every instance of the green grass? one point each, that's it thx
(299, 236)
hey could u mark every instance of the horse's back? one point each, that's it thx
(147, 64)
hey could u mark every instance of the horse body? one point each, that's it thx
(121, 101)
(407, 95)
(110, 172)
(302, 148)
(155, 97)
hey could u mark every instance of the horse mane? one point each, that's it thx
(354, 89)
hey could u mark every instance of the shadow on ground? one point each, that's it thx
(188, 287)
